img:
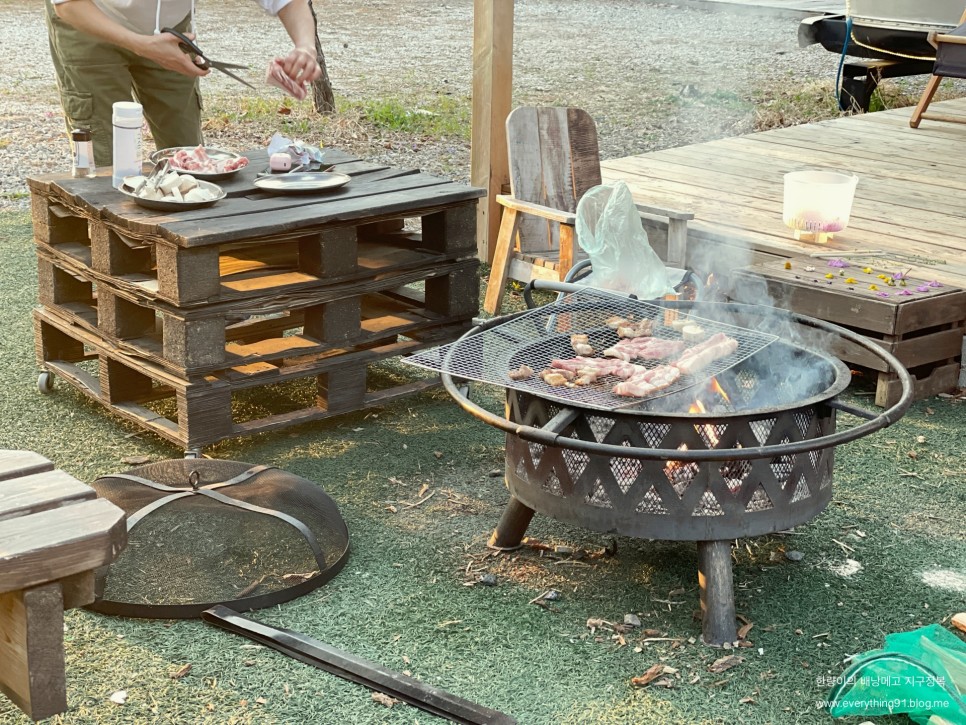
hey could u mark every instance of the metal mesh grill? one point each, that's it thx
(193, 552)
(543, 334)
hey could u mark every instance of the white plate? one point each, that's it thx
(161, 205)
(213, 153)
(302, 183)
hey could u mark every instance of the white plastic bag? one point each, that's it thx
(609, 230)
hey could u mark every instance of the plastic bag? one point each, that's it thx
(921, 673)
(609, 230)
(302, 153)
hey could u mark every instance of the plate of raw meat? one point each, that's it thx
(202, 162)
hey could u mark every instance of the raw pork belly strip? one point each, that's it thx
(277, 77)
(198, 160)
(700, 356)
(599, 366)
(645, 348)
(648, 382)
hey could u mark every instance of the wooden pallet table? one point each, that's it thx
(54, 532)
(918, 320)
(255, 290)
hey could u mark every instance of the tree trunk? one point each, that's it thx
(322, 94)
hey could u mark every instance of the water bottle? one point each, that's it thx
(128, 117)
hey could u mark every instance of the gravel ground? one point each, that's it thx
(652, 75)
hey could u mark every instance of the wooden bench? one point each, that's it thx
(54, 532)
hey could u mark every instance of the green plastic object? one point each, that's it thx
(921, 673)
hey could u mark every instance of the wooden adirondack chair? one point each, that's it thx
(950, 63)
(554, 159)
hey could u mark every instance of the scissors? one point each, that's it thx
(188, 46)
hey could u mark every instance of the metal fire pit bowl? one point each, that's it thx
(755, 462)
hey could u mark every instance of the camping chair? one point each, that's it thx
(554, 159)
(950, 63)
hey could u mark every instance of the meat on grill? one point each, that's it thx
(648, 382)
(581, 345)
(700, 356)
(598, 366)
(645, 348)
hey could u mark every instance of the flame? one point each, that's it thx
(707, 429)
(715, 387)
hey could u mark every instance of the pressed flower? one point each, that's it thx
(809, 268)
(837, 263)
(788, 265)
(904, 293)
(830, 276)
(873, 287)
(882, 294)
(899, 275)
(867, 270)
(883, 277)
(922, 288)
(935, 283)
(850, 280)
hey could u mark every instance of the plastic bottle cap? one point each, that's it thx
(127, 109)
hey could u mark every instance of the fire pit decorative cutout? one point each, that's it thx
(746, 453)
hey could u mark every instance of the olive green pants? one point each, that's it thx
(92, 75)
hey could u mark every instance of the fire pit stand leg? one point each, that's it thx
(717, 593)
(513, 525)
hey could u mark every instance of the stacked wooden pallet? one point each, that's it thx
(918, 320)
(257, 290)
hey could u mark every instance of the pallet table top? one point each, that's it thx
(374, 192)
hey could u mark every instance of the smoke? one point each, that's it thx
(728, 268)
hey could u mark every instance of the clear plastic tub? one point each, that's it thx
(819, 202)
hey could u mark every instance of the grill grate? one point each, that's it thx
(543, 334)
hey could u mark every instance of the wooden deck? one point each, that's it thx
(910, 203)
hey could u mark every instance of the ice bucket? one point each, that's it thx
(818, 203)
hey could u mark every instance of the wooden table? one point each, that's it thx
(259, 289)
(918, 320)
(54, 532)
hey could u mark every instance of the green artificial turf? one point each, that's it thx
(403, 598)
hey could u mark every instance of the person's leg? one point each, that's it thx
(172, 102)
(91, 76)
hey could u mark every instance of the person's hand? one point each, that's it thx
(301, 65)
(163, 49)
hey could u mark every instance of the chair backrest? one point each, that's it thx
(554, 159)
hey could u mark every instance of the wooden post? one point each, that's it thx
(513, 525)
(717, 593)
(492, 95)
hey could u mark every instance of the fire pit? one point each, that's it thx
(745, 453)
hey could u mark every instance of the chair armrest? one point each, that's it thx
(545, 212)
(660, 211)
(935, 38)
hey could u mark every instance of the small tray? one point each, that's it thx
(213, 153)
(160, 205)
(311, 182)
